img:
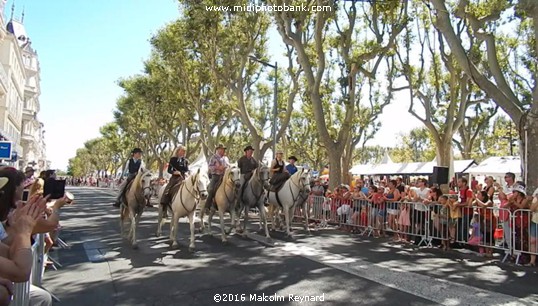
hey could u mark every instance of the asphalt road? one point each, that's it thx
(100, 268)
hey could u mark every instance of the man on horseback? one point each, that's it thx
(217, 165)
(291, 168)
(178, 166)
(131, 170)
(247, 164)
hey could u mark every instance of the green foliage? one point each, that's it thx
(416, 146)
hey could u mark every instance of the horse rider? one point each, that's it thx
(247, 164)
(131, 170)
(291, 168)
(178, 166)
(279, 174)
(217, 166)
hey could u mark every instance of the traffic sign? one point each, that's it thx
(6, 148)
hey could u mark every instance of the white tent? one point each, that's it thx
(498, 166)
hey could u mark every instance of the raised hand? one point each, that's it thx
(25, 216)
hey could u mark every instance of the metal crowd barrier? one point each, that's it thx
(488, 228)
(21, 291)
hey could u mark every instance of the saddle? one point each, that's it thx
(277, 181)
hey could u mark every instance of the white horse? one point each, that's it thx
(226, 199)
(254, 196)
(135, 201)
(184, 203)
(289, 195)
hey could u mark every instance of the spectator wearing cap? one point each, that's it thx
(291, 168)
(29, 180)
(517, 201)
(131, 170)
(246, 164)
(217, 165)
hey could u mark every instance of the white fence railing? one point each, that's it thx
(21, 294)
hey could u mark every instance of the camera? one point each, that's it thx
(55, 188)
(25, 195)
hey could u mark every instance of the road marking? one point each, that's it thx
(437, 290)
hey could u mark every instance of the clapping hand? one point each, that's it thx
(25, 216)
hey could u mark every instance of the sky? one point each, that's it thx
(85, 47)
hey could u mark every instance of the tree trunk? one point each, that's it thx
(335, 167)
(529, 145)
(347, 160)
(160, 164)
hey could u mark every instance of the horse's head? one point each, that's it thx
(234, 175)
(145, 181)
(201, 181)
(263, 176)
(304, 178)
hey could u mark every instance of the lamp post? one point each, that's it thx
(273, 130)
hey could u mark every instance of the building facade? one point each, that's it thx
(19, 96)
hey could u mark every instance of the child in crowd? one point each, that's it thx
(475, 237)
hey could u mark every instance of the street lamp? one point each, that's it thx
(273, 130)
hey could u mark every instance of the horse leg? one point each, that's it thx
(306, 213)
(263, 218)
(160, 221)
(133, 229)
(202, 224)
(245, 221)
(191, 225)
(221, 214)
(210, 220)
(173, 229)
(287, 219)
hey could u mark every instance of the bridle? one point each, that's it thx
(258, 178)
(293, 197)
(228, 180)
(195, 192)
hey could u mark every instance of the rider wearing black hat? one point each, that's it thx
(131, 169)
(247, 164)
(291, 168)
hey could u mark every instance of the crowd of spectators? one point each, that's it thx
(462, 218)
(21, 219)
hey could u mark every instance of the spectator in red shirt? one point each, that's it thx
(466, 203)
(474, 184)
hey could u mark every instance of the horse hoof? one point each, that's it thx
(192, 249)
(135, 246)
(174, 246)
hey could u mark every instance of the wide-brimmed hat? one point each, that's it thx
(3, 182)
(292, 157)
(248, 148)
(220, 146)
(136, 150)
(520, 189)
(29, 169)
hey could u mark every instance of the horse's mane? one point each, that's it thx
(138, 177)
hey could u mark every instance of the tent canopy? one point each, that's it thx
(498, 166)
(419, 168)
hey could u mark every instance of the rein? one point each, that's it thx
(256, 178)
(195, 193)
(294, 198)
(228, 179)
